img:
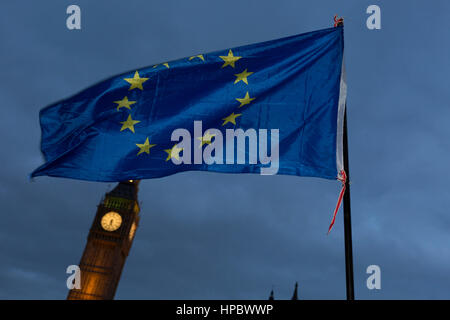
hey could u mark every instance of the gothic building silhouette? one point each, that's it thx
(294, 295)
(108, 243)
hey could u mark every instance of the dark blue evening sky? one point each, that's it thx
(228, 236)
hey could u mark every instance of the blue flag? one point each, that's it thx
(275, 107)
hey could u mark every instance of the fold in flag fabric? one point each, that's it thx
(274, 107)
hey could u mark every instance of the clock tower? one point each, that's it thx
(108, 243)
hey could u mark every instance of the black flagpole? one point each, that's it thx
(347, 211)
(347, 221)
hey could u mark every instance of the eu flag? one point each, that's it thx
(274, 107)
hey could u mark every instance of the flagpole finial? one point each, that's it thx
(338, 21)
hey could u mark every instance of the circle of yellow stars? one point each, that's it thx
(136, 82)
(230, 60)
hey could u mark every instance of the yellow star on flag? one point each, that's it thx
(164, 64)
(124, 103)
(200, 56)
(145, 147)
(129, 124)
(229, 59)
(231, 118)
(136, 81)
(245, 100)
(173, 152)
(242, 76)
(206, 138)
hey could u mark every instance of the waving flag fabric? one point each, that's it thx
(287, 96)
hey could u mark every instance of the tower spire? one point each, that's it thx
(271, 295)
(295, 295)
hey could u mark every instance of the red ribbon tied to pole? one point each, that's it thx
(343, 179)
(338, 21)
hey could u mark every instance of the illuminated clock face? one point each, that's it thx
(111, 221)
